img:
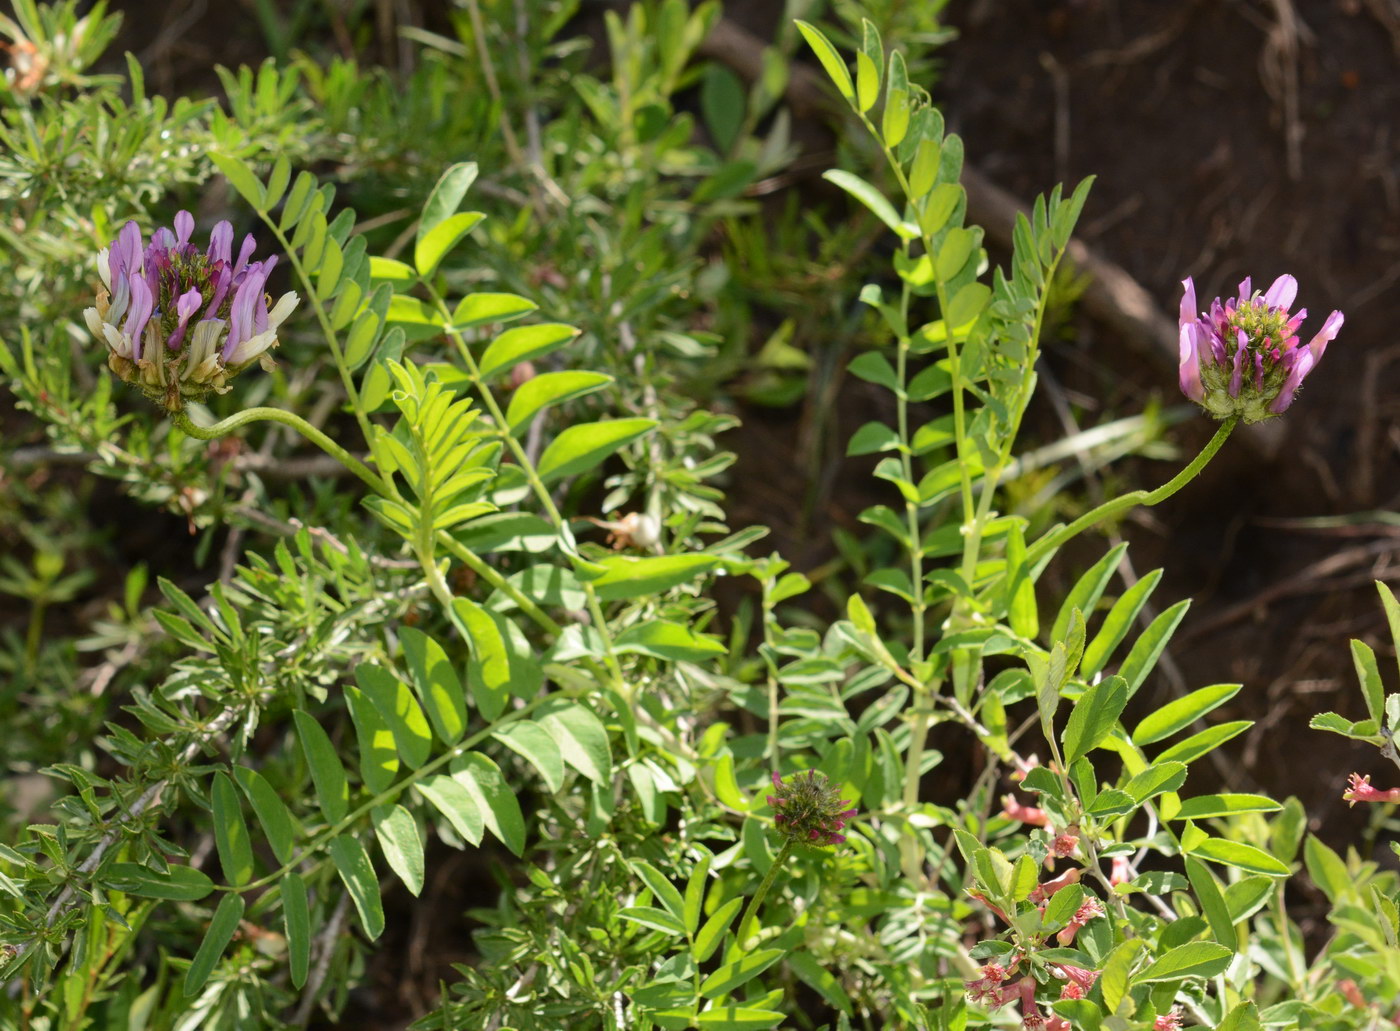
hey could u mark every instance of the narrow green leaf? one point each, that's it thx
(490, 686)
(537, 747)
(398, 838)
(830, 59)
(231, 839)
(874, 201)
(455, 803)
(277, 181)
(734, 975)
(479, 309)
(1197, 745)
(357, 873)
(523, 343)
(626, 577)
(241, 178)
(1087, 591)
(1195, 959)
(1182, 712)
(179, 883)
(1093, 717)
(1205, 807)
(1222, 928)
(446, 197)
(216, 939)
(436, 243)
(332, 789)
(714, 930)
(1369, 676)
(580, 448)
(582, 741)
(650, 916)
(695, 889)
(662, 888)
(1155, 779)
(437, 684)
(1148, 648)
(550, 388)
(662, 639)
(499, 808)
(1117, 623)
(1238, 854)
(296, 917)
(379, 759)
(400, 711)
(298, 201)
(738, 1018)
(272, 813)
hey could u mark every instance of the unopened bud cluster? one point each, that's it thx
(808, 809)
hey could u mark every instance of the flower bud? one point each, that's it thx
(179, 322)
(807, 809)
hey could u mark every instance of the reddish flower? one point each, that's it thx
(1170, 1021)
(1064, 845)
(1359, 790)
(1352, 993)
(1080, 980)
(1041, 892)
(1088, 910)
(808, 810)
(987, 988)
(1122, 871)
(1014, 810)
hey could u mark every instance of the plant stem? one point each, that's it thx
(751, 912)
(1055, 538)
(296, 422)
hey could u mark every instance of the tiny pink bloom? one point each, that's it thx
(1360, 790)
(1041, 892)
(1121, 872)
(1014, 810)
(1169, 1021)
(1064, 845)
(1088, 910)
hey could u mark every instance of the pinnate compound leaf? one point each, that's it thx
(357, 873)
(216, 939)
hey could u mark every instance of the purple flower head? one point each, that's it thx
(807, 809)
(179, 322)
(1242, 358)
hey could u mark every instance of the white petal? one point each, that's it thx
(286, 304)
(104, 268)
(251, 348)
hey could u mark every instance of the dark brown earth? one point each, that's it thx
(1229, 138)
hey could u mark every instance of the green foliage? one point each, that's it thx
(425, 645)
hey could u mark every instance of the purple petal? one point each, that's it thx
(1237, 377)
(1318, 344)
(1190, 370)
(1282, 293)
(185, 307)
(1188, 301)
(222, 279)
(1217, 349)
(184, 228)
(1246, 289)
(244, 253)
(777, 781)
(221, 242)
(1302, 365)
(240, 326)
(125, 256)
(142, 304)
